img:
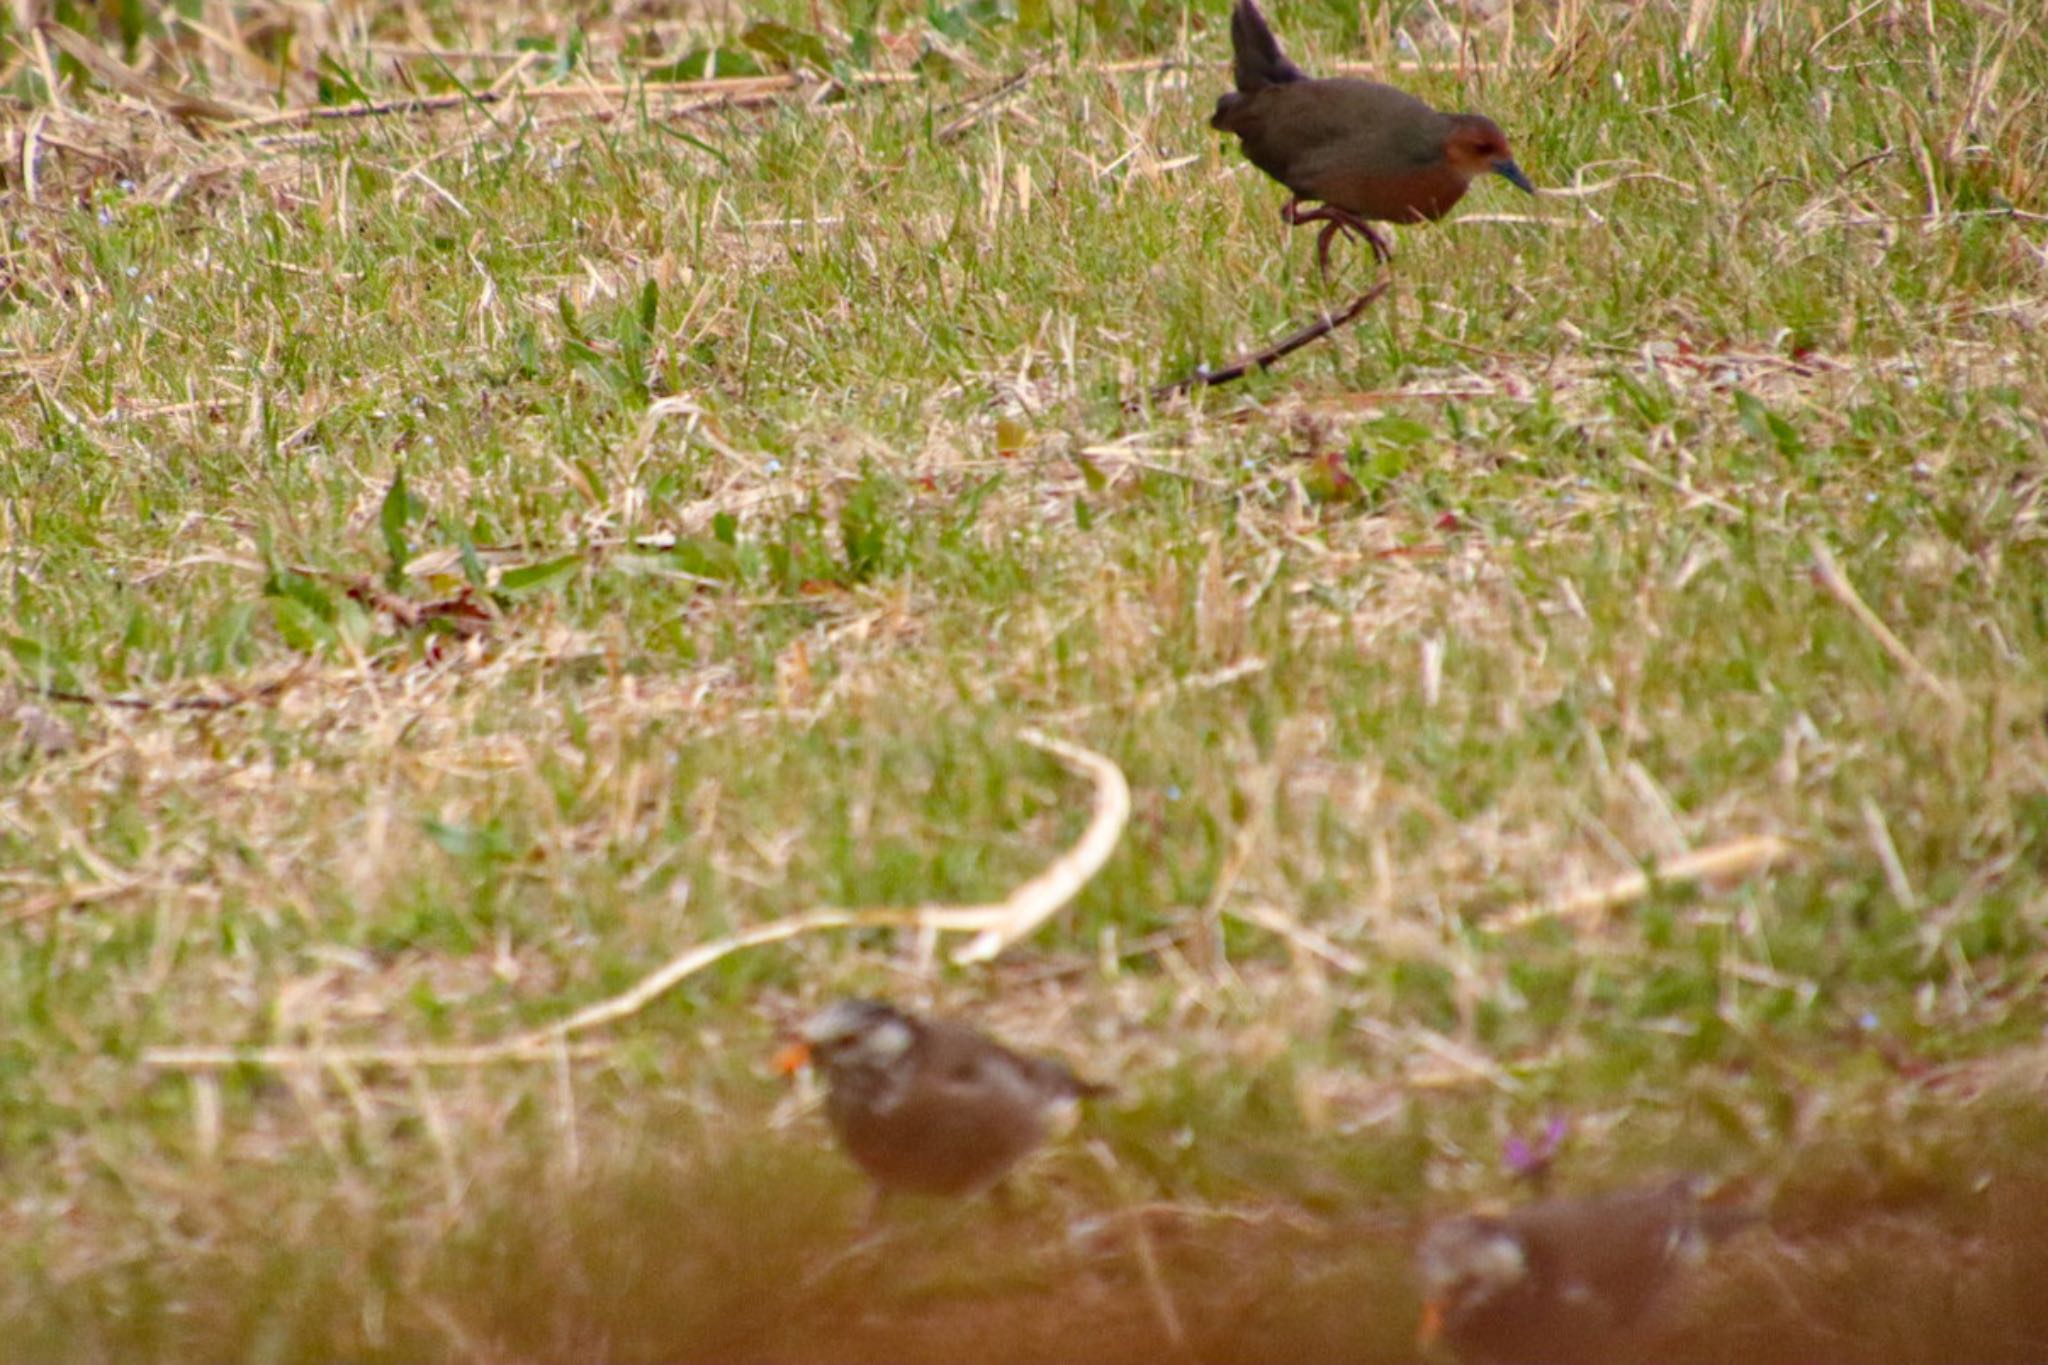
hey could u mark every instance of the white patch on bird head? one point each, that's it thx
(1061, 1115)
(886, 1041)
(875, 1034)
(1686, 1245)
(1470, 1261)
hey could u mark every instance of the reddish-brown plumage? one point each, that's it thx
(1365, 151)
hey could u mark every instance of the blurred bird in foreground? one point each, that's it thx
(1565, 1281)
(930, 1106)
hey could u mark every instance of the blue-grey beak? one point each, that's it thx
(1506, 166)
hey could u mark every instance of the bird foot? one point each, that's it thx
(1335, 220)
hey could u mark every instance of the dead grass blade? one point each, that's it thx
(997, 926)
(1031, 904)
(1737, 858)
(110, 72)
(1299, 936)
(1828, 573)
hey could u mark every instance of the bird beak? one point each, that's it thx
(1432, 1325)
(1506, 166)
(793, 1058)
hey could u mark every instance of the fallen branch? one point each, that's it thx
(1286, 346)
(995, 926)
(1735, 859)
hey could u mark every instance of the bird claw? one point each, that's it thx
(1335, 221)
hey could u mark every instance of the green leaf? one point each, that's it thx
(699, 143)
(967, 507)
(867, 526)
(706, 558)
(571, 54)
(229, 645)
(650, 304)
(392, 517)
(787, 47)
(488, 842)
(583, 353)
(566, 310)
(336, 80)
(290, 585)
(45, 665)
(472, 567)
(303, 628)
(707, 63)
(1767, 427)
(1403, 431)
(536, 577)
(959, 22)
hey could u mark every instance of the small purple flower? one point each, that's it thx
(1533, 1161)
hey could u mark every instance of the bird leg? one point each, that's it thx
(1336, 220)
(876, 1221)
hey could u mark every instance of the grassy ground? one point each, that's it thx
(1698, 502)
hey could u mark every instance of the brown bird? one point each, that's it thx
(1366, 151)
(930, 1106)
(1564, 1281)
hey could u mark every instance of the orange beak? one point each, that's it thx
(1431, 1327)
(792, 1058)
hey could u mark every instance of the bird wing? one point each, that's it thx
(1305, 133)
(1354, 125)
(1617, 1252)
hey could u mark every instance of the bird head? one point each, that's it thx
(1478, 147)
(1465, 1263)
(858, 1033)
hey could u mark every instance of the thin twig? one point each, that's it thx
(1286, 346)
(720, 89)
(269, 691)
(983, 106)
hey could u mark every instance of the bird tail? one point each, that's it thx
(1256, 58)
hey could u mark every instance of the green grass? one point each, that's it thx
(1523, 563)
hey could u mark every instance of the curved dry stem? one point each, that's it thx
(996, 926)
